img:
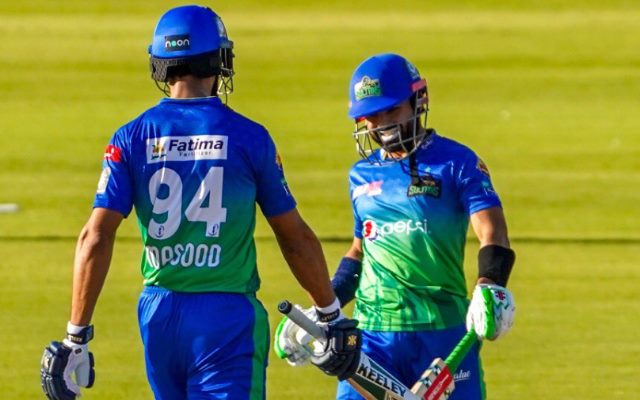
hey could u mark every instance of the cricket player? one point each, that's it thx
(194, 170)
(413, 196)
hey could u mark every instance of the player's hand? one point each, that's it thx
(293, 343)
(340, 354)
(67, 366)
(491, 311)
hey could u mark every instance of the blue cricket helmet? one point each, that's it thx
(380, 82)
(191, 39)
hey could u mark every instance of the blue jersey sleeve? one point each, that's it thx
(475, 187)
(357, 222)
(115, 188)
(273, 194)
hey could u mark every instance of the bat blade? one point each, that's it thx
(436, 383)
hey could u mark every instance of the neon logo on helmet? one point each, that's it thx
(367, 87)
(177, 42)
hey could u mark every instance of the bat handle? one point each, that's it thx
(461, 350)
(299, 318)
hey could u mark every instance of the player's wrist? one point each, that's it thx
(495, 263)
(79, 334)
(329, 313)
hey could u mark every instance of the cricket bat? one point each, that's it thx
(437, 382)
(371, 380)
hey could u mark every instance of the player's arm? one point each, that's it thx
(492, 306)
(490, 227)
(303, 252)
(93, 256)
(68, 365)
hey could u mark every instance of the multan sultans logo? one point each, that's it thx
(425, 185)
(367, 87)
(177, 42)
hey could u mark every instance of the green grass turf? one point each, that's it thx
(545, 91)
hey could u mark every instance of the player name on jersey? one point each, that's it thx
(187, 255)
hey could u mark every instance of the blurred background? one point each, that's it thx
(546, 92)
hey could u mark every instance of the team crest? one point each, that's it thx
(367, 87)
(425, 185)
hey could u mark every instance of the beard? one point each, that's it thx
(397, 138)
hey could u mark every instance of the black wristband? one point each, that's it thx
(495, 263)
(83, 337)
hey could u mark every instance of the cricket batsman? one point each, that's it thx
(413, 196)
(194, 170)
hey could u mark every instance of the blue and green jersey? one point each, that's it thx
(194, 170)
(412, 217)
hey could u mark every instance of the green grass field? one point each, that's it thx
(545, 91)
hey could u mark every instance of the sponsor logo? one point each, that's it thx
(113, 153)
(184, 255)
(372, 372)
(370, 189)
(425, 185)
(367, 87)
(186, 148)
(104, 180)
(462, 375)
(371, 231)
(482, 167)
(177, 42)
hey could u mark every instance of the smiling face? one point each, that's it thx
(390, 127)
(395, 129)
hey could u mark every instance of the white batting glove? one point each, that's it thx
(79, 365)
(293, 343)
(491, 311)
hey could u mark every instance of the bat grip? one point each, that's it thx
(461, 350)
(299, 318)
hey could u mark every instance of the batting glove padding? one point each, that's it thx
(341, 353)
(491, 311)
(293, 343)
(59, 362)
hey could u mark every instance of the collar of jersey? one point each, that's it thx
(211, 99)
